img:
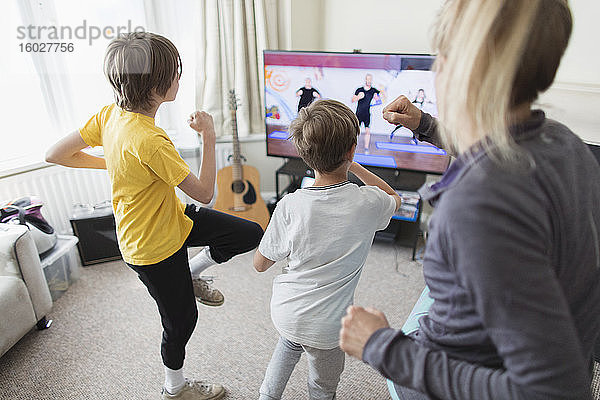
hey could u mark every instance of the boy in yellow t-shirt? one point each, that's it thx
(153, 227)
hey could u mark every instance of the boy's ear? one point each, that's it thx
(350, 154)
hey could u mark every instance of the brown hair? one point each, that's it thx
(137, 63)
(324, 133)
(548, 39)
(494, 57)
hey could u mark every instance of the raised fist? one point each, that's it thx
(202, 122)
(402, 111)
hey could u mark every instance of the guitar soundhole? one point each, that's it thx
(237, 186)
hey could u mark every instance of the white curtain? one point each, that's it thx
(178, 22)
(50, 67)
(232, 35)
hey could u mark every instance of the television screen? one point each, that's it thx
(365, 83)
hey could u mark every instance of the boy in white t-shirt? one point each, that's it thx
(325, 232)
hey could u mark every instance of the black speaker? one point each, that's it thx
(97, 235)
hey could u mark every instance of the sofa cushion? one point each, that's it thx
(9, 234)
(16, 311)
(19, 258)
(32, 274)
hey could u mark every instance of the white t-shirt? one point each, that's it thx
(325, 233)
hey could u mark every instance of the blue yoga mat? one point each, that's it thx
(413, 218)
(375, 161)
(412, 148)
(411, 325)
(279, 135)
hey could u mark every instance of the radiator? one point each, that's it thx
(60, 188)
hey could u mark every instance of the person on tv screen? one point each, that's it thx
(307, 94)
(364, 95)
(512, 261)
(420, 98)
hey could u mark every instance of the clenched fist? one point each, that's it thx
(202, 122)
(402, 112)
(357, 327)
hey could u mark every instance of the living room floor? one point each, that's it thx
(104, 342)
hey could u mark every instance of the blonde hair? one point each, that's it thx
(324, 133)
(137, 63)
(494, 56)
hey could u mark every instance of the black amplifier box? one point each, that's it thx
(95, 228)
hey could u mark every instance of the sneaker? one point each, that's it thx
(197, 390)
(206, 294)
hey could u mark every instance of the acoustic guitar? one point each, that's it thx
(238, 186)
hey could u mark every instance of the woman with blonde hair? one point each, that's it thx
(512, 260)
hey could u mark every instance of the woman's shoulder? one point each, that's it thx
(545, 161)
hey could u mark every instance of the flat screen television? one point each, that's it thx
(365, 83)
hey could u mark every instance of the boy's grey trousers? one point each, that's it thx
(324, 370)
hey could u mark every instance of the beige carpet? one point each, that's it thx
(104, 342)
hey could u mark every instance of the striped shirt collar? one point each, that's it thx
(335, 185)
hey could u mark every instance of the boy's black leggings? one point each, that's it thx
(170, 284)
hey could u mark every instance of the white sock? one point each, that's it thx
(174, 380)
(200, 262)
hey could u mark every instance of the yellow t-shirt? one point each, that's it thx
(144, 168)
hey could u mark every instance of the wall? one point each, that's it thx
(581, 62)
(400, 26)
(574, 99)
(306, 24)
(405, 26)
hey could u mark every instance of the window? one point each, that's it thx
(48, 94)
(26, 125)
(83, 74)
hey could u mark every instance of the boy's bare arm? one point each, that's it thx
(202, 188)
(67, 152)
(262, 263)
(369, 178)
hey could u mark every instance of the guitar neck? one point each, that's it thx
(237, 171)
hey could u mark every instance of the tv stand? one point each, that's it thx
(404, 232)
